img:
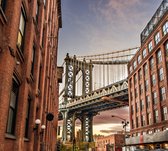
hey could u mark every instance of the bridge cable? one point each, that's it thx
(113, 52)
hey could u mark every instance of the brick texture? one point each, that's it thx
(42, 86)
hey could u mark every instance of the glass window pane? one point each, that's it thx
(19, 40)
(22, 24)
(10, 121)
(13, 100)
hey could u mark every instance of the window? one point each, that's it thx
(149, 120)
(136, 93)
(132, 109)
(153, 80)
(137, 122)
(162, 94)
(130, 82)
(159, 56)
(3, 4)
(137, 108)
(164, 113)
(141, 105)
(134, 64)
(150, 47)
(165, 28)
(147, 102)
(140, 74)
(43, 37)
(37, 11)
(135, 79)
(12, 107)
(141, 88)
(143, 120)
(154, 95)
(39, 82)
(156, 116)
(146, 85)
(166, 48)
(133, 124)
(139, 59)
(151, 61)
(145, 69)
(131, 96)
(144, 53)
(130, 69)
(161, 76)
(157, 38)
(21, 33)
(27, 117)
(33, 60)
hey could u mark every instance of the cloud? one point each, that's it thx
(105, 117)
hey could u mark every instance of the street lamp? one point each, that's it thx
(124, 123)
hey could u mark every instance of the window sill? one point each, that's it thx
(2, 16)
(26, 139)
(10, 136)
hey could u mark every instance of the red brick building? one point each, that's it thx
(113, 142)
(148, 85)
(28, 74)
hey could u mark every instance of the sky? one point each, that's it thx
(99, 26)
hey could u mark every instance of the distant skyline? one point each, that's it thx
(99, 26)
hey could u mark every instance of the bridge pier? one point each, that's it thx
(64, 131)
(87, 127)
(90, 128)
(83, 128)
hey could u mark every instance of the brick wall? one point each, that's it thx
(43, 34)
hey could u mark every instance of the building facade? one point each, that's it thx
(148, 85)
(29, 74)
(113, 142)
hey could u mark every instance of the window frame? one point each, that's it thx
(11, 119)
(33, 59)
(151, 62)
(166, 48)
(156, 116)
(150, 46)
(162, 93)
(157, 38)
(145, 67)
(154, 97)
(161, 74)
(144, 53)
(165, 28)
(139, 58)
(159, 56)
(153, 78)
(27, 118)
(146, 85)
(147, 102)
(21, 34)
(164, 114)
(3, 4)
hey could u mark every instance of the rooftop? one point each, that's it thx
(163, 8)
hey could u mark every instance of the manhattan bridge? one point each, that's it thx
(92, 84)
